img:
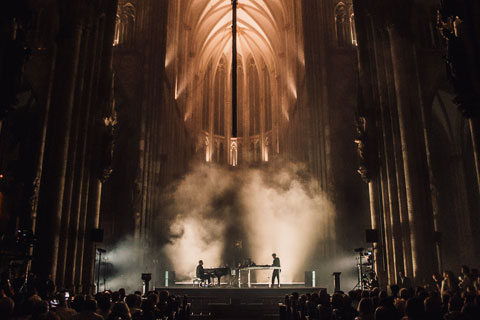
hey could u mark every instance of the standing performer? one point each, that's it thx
(276, 272)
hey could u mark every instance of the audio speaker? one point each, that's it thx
(371, 235)
(167, 278)
(96, 235)
(310, 279)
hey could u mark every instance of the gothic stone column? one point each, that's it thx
(413, 154)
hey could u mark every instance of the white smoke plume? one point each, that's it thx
(223, 214)
(276, 208)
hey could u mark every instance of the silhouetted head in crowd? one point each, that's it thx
(382, 294)
(347, 301)
(6, 307)
(414, 308)
(455, 304)
(148, 306)
(78, 302)
(103, 301)
(421, 293)
(382, 313)
(354, 295)
(40, 308)
(163, 296)
(337, 301)
(90, 305)
(404, 294)
(60, 297)
(153, 297)
(465, 270)
(323, 311)
(120, 311)
(394, 289)
(470, 307)
(432, 306)
(133, 301)
(324, 298)
(365, 307)
(116, 297)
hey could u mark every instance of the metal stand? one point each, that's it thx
(100, 251)
(366, 271)
(359, 284)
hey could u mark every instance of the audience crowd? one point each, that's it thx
(448, 298)
(28, 304)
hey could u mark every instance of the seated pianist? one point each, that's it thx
(201, 273)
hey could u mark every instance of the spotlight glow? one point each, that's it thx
(198, 239)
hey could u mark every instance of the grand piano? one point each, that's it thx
(216, 272)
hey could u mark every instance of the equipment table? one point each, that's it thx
(249, 269)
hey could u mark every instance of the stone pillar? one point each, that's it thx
(367, 103)
(475, 135)
(392, 216)
(80, 192)
(413, 153)
(397, 166)
(43, 138)
(80, 154)
(470, 33)
(59, 125)
(375, 222)
(93, 210)
(98, 163)
(69, 217)
(385, 221)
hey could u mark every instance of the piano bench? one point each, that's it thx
(197, 282)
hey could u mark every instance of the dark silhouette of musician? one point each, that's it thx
(276, 272)
(201, 274)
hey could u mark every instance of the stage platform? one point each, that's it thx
(236, 303)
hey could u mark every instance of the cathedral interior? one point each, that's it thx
(141, 127)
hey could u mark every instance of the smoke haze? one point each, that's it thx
(223, 215)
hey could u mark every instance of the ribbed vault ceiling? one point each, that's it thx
(260, 26)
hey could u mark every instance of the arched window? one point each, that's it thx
(258, 152)
(253, 96)
(239, 153)
(222, 153)
(267, 149)
(353, 31)
(342, 25)
(219, 110)
(125, 25)
(345, 32)
(240, 100)
(131, 13)
(214, 151)
(206, 99)
(268, 100)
